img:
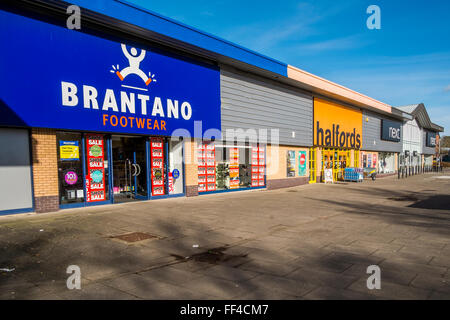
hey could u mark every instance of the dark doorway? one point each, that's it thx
(129, 168)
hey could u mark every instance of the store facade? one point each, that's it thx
(107, 121)
(270, 125)
(382, 142)
(116, 112)
(419, 141)
(338, 137)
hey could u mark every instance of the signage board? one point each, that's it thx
(69, 150)
(302, 163)
(390, 130)
(328, 174)
(66, 79)
(157, 166)
(71, 177)
(95, 168)
(431, 139)
(336, 125)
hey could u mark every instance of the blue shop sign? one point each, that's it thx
(58, 78)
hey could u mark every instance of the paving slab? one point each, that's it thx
(391, 291)
(305, 242)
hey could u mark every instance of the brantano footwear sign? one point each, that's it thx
(336, 125)
(65, 79)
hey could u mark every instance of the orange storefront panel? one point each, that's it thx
(336, 125)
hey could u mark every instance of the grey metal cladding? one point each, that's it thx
(252, 102)
(425, 149)
(371, 139)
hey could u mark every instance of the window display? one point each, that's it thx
(70, 168)
(206, 166)
(258, 166)
(245, 167)
(234, 166)
(95, 168)
(386, 162)
(176, 167)
(290, 163)
(157, 166)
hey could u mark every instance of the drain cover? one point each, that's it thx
(134, 237)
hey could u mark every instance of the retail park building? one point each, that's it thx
(135, 106)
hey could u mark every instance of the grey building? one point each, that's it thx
(419, 138)
(383, 134)
(252, 103)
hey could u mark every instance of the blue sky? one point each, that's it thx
(407, 61)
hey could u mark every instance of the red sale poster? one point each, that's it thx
(374, 160)
(95, 175)
(258, 166)
(234, 168)
(157, 166)
(206, 155)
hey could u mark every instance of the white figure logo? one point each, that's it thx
(134, 61)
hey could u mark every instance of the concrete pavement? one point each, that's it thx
(306, 242)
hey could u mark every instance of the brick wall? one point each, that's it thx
(191, 168)
(45, 170)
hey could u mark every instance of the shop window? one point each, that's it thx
(290, 163)
(386, 162)
(245, 167)
(233, 166)
(176, 184)
(157, 166)
(70, 168)
(206, 156)
(258, 166)
(97, 179)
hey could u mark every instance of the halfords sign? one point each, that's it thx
(336, 125)
(65, 79)
(390, 130)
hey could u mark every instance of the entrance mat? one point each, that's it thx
(134, 237)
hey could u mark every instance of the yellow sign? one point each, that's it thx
(69, 150)
(336, 125)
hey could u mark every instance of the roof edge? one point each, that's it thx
(336, 89)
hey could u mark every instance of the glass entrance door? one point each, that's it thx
(337, 160)
(129, 168)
